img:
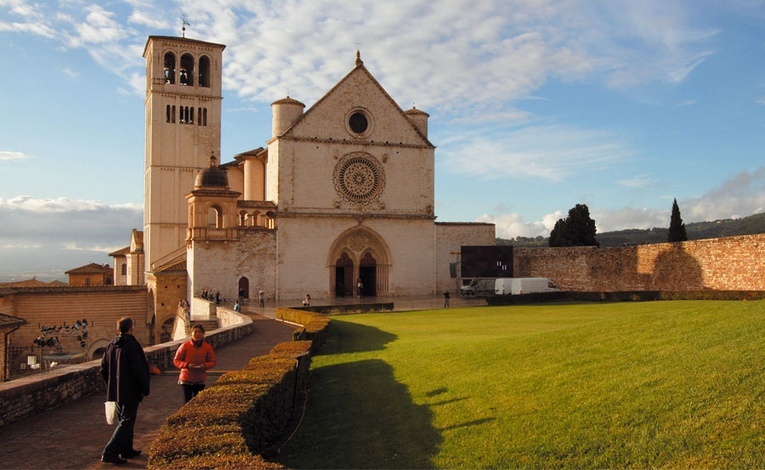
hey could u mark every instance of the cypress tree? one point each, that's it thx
(676, 226)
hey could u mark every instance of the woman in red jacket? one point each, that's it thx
(193, 358)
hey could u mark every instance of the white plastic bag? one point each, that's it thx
(111, 412)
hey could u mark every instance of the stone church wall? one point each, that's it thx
(729, 263)
(218, 265)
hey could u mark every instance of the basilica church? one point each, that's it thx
(338, 202)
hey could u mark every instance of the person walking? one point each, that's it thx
(194, 358)
(126, 372)
(262, 298)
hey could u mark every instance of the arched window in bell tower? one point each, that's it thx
(204, 71)
(187, 70)
(169, 67)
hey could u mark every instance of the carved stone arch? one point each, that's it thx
(359, 255)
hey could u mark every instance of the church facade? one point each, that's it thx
(339, 202)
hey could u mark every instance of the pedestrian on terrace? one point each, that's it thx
(194, 358)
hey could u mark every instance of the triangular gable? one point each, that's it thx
(358, 89)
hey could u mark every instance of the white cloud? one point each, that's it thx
(99, 27)
(741, 195)
(643, 181)
(38, 235)
(459, 57)
(6, 155)
(550, 152)
(513, 225)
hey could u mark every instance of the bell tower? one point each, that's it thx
(183, 128)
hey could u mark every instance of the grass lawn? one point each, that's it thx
(607, 385)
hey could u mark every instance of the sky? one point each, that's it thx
(535, 106)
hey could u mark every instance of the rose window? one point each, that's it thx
(359, 178)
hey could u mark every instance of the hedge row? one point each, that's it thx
(624, 296)
(315, 325)
(229, 424)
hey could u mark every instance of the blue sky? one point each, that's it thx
(535, 106)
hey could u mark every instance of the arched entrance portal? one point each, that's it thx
(244, 288)
(359, 254)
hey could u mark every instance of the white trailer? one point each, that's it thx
(523, 285)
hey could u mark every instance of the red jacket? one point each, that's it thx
(187, 354)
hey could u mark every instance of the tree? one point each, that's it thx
(676, 226)
(578, 229)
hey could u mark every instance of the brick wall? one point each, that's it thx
(729, 263)
(56, 306)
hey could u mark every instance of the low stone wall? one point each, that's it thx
(32, 395)
(719, 264)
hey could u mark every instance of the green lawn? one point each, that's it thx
(607, 385)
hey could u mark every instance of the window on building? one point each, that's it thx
(204, 71)
(187, 70)
(169, 67)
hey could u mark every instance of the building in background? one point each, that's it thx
(339, 203)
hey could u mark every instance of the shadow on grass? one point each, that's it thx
(358, 415)
(347, 337)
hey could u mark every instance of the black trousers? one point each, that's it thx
(191, 390)
(122, 437)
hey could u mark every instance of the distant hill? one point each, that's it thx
(696, 231)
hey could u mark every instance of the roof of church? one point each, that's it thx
(183, 40)
(120, 252)
(34, 282)
(212, 177)
(288, 100)
(358, 67)
(91, 268)
(416, 111)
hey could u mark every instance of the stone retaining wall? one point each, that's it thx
(724, 264)
(32, 395)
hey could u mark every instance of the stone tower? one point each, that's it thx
(183, 129)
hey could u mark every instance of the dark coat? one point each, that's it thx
(125, 370)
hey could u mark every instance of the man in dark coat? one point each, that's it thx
(126, 373)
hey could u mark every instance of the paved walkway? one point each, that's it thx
(74, 435)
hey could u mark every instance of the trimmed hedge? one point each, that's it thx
(624, 296)
(315, 325)
(232, 422)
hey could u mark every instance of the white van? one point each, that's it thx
(523, 285)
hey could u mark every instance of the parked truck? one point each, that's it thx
(477, 287)
(523, 285)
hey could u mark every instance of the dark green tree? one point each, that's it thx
(676, 226)
(578, 229)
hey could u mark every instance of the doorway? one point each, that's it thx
(344, 276)
(368, 275)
